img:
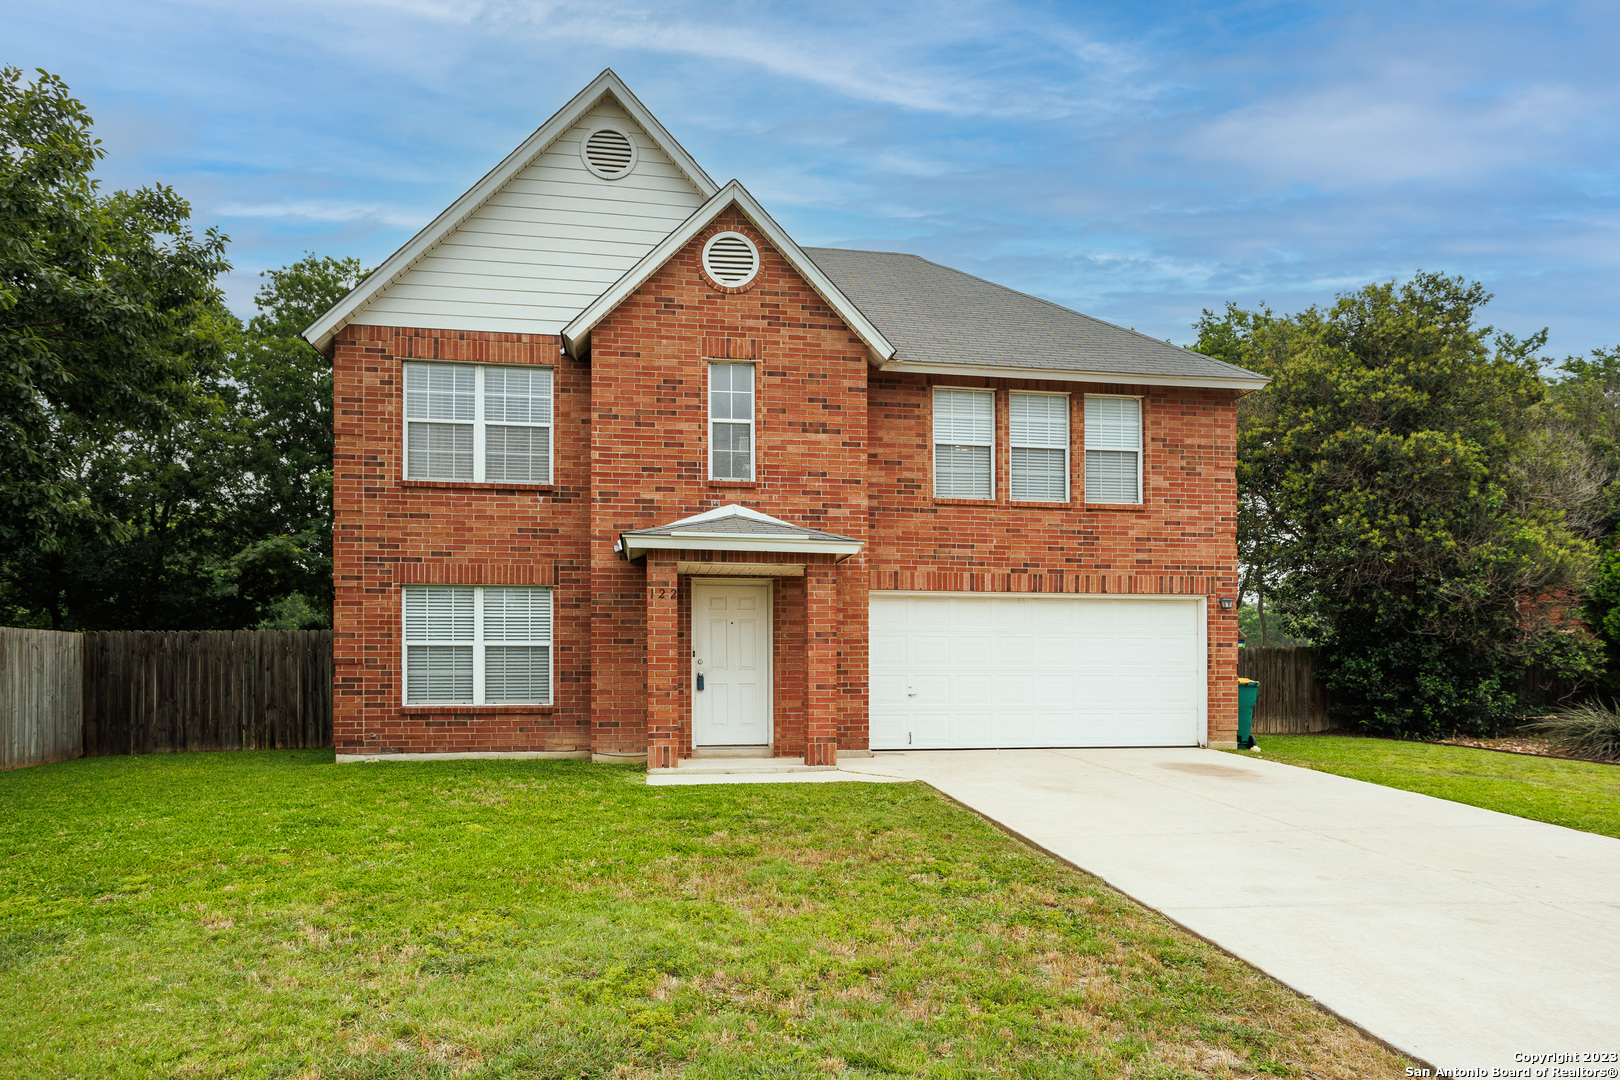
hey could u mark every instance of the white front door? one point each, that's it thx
(731, 664)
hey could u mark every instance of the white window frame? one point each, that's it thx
(751, 423)
(1141, 435)
(478, 644)
(480, 427)
(1068, 445)
(934, 444)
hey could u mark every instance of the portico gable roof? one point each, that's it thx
(736, 528)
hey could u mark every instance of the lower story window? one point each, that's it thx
(477, 645)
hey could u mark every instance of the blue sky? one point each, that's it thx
(1137, 161)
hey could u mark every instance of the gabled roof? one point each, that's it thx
(321, 332)
(736, 528)
(576, 335)
(943, 321)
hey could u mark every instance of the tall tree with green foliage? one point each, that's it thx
(284, 414)
(1581, 457)
(1387, 457)
(102, 305)
(226, 509)
(162, 466)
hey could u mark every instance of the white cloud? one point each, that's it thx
(314, 210)
(1437, 117)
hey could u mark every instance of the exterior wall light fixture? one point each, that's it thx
(1227, 603)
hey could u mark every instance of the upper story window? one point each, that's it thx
(477, 645)
(731, 422)
(1038, 436)
(964, 443)
(1113, 449)
(478, 422)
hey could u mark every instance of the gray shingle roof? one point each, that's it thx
(935, 315)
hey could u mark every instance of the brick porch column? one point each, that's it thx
(821, 664)
(665, 702)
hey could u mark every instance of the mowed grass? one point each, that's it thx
(274, 915)
(1579, 794)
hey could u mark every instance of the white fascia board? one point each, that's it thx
(636, 546)
(1216, 382)
(322, 330)
(577, 334)
(702, 532)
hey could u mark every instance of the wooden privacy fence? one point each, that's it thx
(152, 692)
(1291, 701)
(41, 702)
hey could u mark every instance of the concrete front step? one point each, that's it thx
(771, 766)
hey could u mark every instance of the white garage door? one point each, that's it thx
(957, 671)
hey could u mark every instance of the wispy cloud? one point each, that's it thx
(1141, 161)
(315, 211)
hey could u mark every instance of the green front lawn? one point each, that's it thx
(274, 915)
(1580, 794)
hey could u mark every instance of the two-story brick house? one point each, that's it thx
(622, 470)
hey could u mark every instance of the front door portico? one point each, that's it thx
(731, 663)
(714, 583)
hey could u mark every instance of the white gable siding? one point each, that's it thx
(546, 245)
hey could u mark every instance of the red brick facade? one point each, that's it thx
(841, 447)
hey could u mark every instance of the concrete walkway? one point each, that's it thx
(1458, 935)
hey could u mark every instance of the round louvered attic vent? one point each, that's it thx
(609, 153)
(730, 259)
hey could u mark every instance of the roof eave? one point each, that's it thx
(321, 332)
(635, 546)
(1220, 382)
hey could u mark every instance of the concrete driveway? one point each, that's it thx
(1461, 936)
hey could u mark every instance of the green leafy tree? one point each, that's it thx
(162, 466)
(102, 331)
(227, 508)
(284, 415)
(1260, 341)
(1387, 457)
(1581, 458)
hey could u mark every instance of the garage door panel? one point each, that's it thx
(1013, 691)
(888, 651)
(930, 691)
(888, 690)
(1001, 671)
(968, 650)
(974, 691)
(929, 651)
(1010, 651)
(930, 729)
(1052, 692)
(1048, 653)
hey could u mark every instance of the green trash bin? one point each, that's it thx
(1248, 691)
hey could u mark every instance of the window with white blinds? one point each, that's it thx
(1038, 439)
(731, 421)
(478, 422)
(477, 645)
(1113, 449)
(964, 443)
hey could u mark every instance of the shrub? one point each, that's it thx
(1591, 730)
